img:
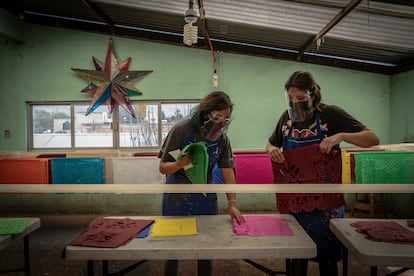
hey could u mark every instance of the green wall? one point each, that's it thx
(401, 107)
(39, 70)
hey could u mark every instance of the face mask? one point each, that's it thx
(299, 111)
(214, 127)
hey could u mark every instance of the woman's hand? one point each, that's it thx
(329, 142)
(172, 167)
(184, 161)
(235, 212)
(364, 138)
(275, 153)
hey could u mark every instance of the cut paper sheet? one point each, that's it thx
(110, 233)
(171, 227)
(384, 231)
(12, 226)
(197, 173)
(262, 226)
(308, 165)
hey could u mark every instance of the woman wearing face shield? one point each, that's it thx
(308, 121)
(208, 124)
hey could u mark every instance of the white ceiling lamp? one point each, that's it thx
(190, 31)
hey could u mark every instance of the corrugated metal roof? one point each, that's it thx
(376, 36)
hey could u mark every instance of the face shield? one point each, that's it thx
(214, 127)
(299, 109)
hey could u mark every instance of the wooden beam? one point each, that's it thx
(364, 9)
(94, 7)
(206, 188)
(344, 11)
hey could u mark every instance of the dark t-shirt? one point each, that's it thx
(333, 119)
(182, 131)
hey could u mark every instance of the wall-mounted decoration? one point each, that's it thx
(111, 82)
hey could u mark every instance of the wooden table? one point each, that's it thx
(215, 240)
(6, 240)
(372, 253)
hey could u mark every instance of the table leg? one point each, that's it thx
(345, 262)
(105, 268)
(296, 267)
(90, 268)
(26, 255)
(373, 271)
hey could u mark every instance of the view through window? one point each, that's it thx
(66, 125)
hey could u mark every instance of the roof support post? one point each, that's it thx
(344, 11)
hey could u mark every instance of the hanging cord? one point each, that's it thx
(206, 34)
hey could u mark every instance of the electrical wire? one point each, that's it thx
(206, 33)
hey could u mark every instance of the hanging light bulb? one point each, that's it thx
(190, 31)
(215, 79)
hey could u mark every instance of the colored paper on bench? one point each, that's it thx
(262, 226)
(144, 233)
(384, 231)
(110, 233)
(12, 226)
(170, 227)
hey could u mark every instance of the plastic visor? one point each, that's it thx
(215, 127)
(299, 111)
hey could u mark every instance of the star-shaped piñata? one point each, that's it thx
(111, 82)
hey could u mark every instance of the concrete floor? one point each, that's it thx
(47, 244)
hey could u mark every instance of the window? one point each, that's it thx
(51, 126)
(66, 125)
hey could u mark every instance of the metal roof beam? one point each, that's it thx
(101, 14)
(408, 14)
(397, 2)
(345, 10)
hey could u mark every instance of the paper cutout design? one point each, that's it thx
(384, 167)
(308, 165)
(171, 227)
(111, 82)
(197, 173)
(110, 233)
(384, 231)
(13, 226)
(262, 226)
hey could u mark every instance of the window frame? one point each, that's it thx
(115, 124)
